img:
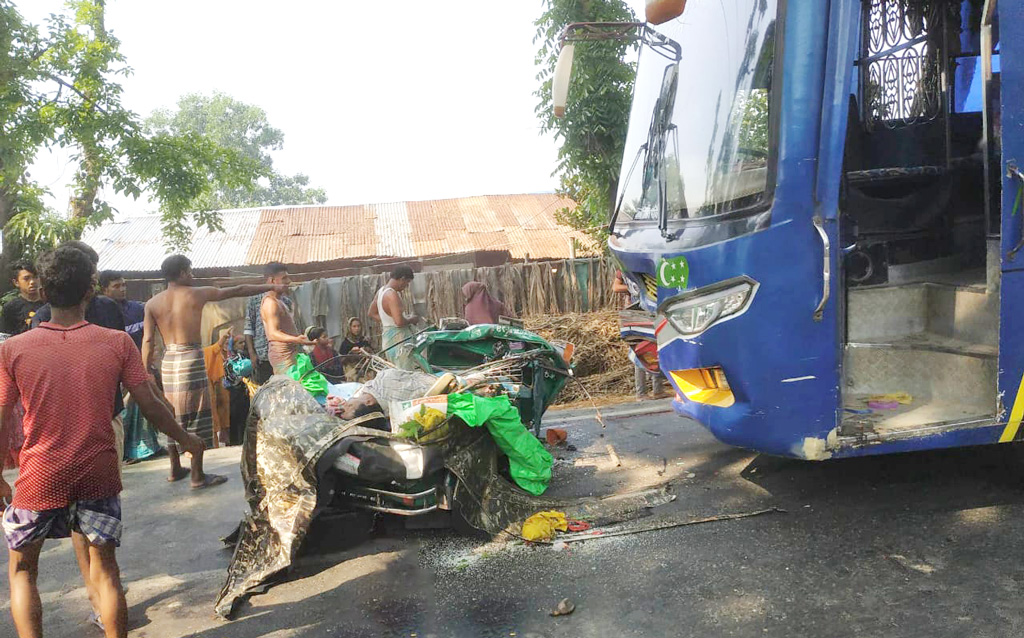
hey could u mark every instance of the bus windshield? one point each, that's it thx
(698, 142)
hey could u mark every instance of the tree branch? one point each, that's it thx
(92, 102)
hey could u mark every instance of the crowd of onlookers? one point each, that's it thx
(88, 377)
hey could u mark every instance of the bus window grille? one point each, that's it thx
(901, 61)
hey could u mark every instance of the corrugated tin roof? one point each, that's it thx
(521, 224)
(137, 243)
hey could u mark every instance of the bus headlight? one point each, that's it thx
(693, 312)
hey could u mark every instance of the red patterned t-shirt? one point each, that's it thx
(66, 378)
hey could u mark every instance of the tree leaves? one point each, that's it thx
(593, 131)
(244, 129)
(59, 87)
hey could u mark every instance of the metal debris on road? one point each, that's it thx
(655, 525)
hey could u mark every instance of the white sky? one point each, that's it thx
(416, 100)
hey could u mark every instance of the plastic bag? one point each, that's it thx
(529, 463)
(418, 416)
(543, 525)
(304, 372)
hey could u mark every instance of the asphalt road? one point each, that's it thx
(910, 545)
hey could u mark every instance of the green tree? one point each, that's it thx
(244, 128)
(59, 87)
(593, 131)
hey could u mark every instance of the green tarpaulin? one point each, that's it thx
(529, 462)
(304, 372)
(542, 373)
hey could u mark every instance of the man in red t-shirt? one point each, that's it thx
(65, 374)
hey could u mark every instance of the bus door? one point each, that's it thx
(1008, 127)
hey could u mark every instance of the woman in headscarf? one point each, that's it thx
(481, 307)
(352, 347)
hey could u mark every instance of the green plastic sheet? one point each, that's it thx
(529, 463)
(545, 373)
(310, 378)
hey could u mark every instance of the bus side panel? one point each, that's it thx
(780, 363)
(1011, 312)
(949, 439)
(1011, 355)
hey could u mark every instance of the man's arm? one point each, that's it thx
(135, 327)
(161, 417)
(246, 290)
(6, 415)
(8, 399)
(619, 286)
(149, 331)
(250, 347)
(270, 311)
(249, 332)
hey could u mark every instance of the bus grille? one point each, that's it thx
(650, 286)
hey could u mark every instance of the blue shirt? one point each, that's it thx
(134, 317)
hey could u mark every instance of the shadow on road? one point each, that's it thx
(965, 478)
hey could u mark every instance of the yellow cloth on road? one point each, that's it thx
(543, 525)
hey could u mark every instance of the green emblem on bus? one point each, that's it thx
(673, 272)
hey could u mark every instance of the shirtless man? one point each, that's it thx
(283, 338)
(396, 325)
(177, 314)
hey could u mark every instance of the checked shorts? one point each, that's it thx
(98, 520)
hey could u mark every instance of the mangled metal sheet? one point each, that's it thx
(490, 503)
(290, 440)
(287, 433)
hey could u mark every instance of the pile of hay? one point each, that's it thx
(601, 359)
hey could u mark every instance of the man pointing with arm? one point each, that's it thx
(177, 314)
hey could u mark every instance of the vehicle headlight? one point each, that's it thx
(693, 312)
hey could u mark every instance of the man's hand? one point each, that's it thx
(192, 444)
(5, 491)
(222, 342)
(282, 289)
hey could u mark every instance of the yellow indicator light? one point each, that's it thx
(704, 385)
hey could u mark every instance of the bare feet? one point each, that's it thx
(210, 480)
(177, 474)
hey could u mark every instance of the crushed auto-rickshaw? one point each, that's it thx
(460, 453)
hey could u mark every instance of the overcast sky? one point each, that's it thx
(405, 100)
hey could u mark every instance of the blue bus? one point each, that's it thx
(820, 203)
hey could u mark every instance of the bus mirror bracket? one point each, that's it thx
(597, 31)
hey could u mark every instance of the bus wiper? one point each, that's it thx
(640, 152)
(663, 180)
